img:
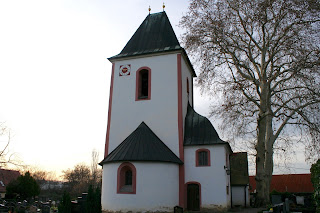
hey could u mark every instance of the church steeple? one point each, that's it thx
(154, 35)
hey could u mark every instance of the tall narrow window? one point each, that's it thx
(126, 179)
(188, 86)
(143, 84)
(203, 157)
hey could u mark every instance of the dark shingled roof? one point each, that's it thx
(142, 145)
(199, 130)
(154, 35)
(239, 168)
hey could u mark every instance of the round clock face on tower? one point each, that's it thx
(125, 70)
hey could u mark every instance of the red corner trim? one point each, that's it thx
(109, 113)
(149, 83)
(120, 178)
(197, 155)
(180, 135)
(193, 182)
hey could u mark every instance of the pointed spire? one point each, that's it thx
(163, 6)
(149, 9)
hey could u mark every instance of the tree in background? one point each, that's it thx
(96, 173)
(315, 179)
(65, 204)
(90, 200)
(261, 61)
(82, 176)
(78, 179)
(97, 198)
(40, 175)
(51, 187)
(25, 186)
(94, 200)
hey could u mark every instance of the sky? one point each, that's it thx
(55, 76)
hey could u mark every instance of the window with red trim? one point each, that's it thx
(203, 157)
(143, 84)
(126, 179)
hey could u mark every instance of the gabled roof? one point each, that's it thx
(142, 145)
(239, 169)
(294, 183)
(199, 130)
(6, 176)
(154, 35)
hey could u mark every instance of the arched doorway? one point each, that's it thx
(193, 196)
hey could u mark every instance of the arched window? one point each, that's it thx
(203, 157)
(126, 180)
(143, 84)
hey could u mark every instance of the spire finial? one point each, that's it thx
(149, 9)
(163, 6)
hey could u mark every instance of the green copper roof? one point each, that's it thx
(199, 130)
(142, 145)
(154, 35)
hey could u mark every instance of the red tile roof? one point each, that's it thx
(293, 183)
(6, 176)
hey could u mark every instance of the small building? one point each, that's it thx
(6, 176)
(239, 180)
(159, 152)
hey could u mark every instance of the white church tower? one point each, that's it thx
(159, 152)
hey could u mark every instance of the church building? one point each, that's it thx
(159, 152)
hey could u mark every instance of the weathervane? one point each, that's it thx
(163, 6)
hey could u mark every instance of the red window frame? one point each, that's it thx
(197, 157)
(139, 84)
(121, 177)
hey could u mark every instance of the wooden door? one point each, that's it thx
(193, 197)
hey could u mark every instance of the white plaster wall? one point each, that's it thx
(159, 113)
(157, 188)
(186, 73)
(240, 196)
(213, 179)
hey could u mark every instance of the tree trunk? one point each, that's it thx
(269, 154)
(262, 173)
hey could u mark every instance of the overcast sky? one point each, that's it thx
(55, 76)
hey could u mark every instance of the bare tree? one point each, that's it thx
(78, 179)
(6, 157)
(261, 60)
(40, 175)
(96, 173)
